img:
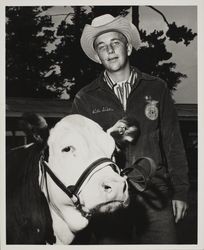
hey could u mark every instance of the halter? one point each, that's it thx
(136, 176)
(73, 190)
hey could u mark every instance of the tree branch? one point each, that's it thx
(66, 15)
(165, 20)
(57, 15)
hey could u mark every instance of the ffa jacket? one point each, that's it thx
(151, 104)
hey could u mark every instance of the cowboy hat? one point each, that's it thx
(106, 23)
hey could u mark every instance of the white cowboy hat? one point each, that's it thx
(106, 23)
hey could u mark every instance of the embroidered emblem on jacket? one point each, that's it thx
(151, 109)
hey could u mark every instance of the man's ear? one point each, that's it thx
(129, 49)
(97, 59)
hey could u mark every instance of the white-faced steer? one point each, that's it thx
(78, 178)
(77, 144)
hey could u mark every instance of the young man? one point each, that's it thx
(122, 90)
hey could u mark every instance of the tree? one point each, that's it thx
(152, 57)
(27, 36)
(76, 70)
(75, 67)
(33, 71)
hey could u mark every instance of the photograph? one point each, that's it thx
(100, 133)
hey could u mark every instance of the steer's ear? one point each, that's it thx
(35, 127)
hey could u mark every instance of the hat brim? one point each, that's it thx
(119, 24)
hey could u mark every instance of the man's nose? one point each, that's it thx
(110, 48)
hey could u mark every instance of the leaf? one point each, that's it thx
(180, 34)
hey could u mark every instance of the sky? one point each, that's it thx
(184, 57)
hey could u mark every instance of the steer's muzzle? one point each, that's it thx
(114, 191)
(114, 186)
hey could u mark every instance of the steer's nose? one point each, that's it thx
(114, 187)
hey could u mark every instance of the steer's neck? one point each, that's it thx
(61, 230)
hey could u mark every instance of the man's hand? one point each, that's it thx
(125, 130)
(121, 128)
(179, 209)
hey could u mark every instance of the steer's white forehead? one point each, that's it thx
(73, 122)
(79, 124)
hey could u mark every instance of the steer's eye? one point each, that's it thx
(67, 149)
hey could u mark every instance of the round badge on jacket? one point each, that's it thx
(151, 109)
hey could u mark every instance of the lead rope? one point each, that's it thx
(139, 176)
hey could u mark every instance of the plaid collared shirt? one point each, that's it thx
(121, 89)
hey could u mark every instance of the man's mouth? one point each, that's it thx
(112, 59)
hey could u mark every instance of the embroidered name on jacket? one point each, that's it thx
(151, 109)
(103, 109)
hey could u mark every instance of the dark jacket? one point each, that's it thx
(151, 104)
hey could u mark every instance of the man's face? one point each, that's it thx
(112, 50)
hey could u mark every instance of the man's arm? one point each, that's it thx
(175, 154)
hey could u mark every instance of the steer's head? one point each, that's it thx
(74, 143)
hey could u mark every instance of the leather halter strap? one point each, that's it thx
(90, 168)
(72, 191)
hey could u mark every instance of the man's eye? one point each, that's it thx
(102, 47)
(68, 149)
(115, 43)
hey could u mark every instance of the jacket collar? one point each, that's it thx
(103, 84)
(100, 83)
(131, 80)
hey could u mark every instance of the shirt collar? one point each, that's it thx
(131, 80)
